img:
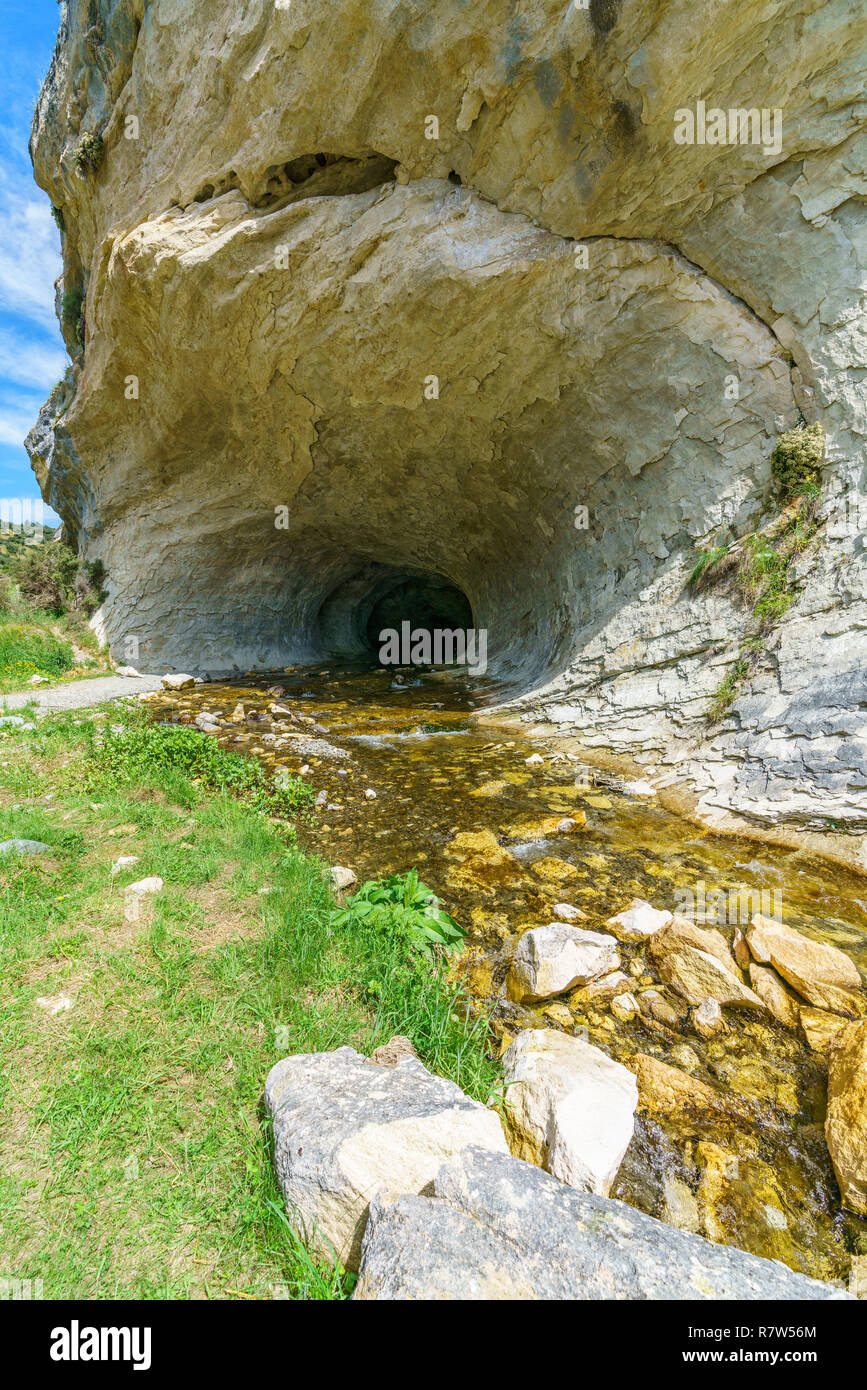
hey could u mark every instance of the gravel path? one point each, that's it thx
(81, 694)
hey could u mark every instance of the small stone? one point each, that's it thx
(146, 886)
(534, 760)
(24, 847)
(741, 950)
(342, 878)
(369, 794)
(177, 681)
(638, 921)
(565, 912)
(321, 798)
(56, 1003)
(624, 1007)
(707, 1019)
(129, 671)
(780, 1002)
(393, 1052)
(558, 1013)
(821, 1029)
(125, 861)
(598, 990)
(569, 824)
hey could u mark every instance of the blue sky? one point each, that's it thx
(32, 355)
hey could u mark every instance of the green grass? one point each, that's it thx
(135, 1158)
(24, 653)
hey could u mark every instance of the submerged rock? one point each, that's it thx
(497, 1228)
(665, 1090)
(777, 998)
(346, 1128)
(553, 959)
(570, 1107)
(697, 976)
(846, 1121)
(808, 965)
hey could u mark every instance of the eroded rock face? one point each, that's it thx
(327, 357)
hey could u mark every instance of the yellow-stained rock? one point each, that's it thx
(665, 1090)
(821, 1028)
(846, 1120)
(778, 999)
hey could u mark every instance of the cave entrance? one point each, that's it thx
(380, 598)
(428, 604)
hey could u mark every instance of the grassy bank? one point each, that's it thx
(135, 1157)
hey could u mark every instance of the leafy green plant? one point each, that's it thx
(88, 153)
(139, 751)
(401, 904)
(796, 460)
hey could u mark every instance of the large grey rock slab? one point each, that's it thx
(345, 1128)
(498, 1228)
(570, 1107)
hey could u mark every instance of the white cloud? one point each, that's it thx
(29, 251)
(18, 412)
(29, 362)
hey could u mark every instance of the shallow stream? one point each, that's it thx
(456, 797)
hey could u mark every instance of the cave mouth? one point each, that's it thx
(380, 598)
(427, 604)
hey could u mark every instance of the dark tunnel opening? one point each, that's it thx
(427, 604)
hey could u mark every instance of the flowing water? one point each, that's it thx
(456, 797)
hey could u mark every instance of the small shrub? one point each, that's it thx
(52, 577)
(796, 461)
(88, 153)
